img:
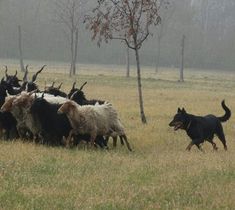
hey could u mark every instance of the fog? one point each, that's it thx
(209, 27)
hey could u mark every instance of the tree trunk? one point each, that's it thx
(75, 52)
(72, 52)
(143, 118)
(127, 62)
(20, 49)
(182, 60)
(158, 55)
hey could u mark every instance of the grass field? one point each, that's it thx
(159, 174)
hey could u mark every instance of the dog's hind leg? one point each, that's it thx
(213, 143)
(199, 147)
(220, 134)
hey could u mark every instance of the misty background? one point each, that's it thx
(209, 27)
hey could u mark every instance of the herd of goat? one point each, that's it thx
(53, 117)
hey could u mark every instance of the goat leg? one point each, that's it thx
(114, 141)
(69, 140)
(121, 140)
(127, 143)
(92, 139)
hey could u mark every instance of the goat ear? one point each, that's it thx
(83, 85)
(183, 110)
(35, 96)
(179, 110)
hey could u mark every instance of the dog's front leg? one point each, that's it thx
(199, 147)
(188, 148)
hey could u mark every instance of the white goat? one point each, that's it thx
(93, 120)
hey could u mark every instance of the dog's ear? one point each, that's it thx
(179, 110)
(183, 110)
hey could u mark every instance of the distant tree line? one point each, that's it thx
(209, 27)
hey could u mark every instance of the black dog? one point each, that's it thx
(201, 129)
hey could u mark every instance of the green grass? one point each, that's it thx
(159, 174)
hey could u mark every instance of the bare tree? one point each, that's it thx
(20, 49)
(127, 62)
(166, 10)
(69, 13)
(129, 21)
(182, 60)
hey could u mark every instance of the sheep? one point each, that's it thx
(93, 120)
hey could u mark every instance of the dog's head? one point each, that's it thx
(180, 120)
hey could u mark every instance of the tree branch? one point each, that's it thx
(125, 40)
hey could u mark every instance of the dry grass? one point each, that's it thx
(159, 174)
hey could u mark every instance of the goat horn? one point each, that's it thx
(32, 92)
(83, 85)
(25, 79)
(15, 73)
(35, 75)
(7, 93)
(52, 85)
(60, 85)
(6, 69)
(71, 97)
(74, 85)
(42, 95)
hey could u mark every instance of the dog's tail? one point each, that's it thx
(227, 114)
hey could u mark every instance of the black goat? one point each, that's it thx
(78, 96)
(12, 79)
(76, 140)
(3, 94)
(7, 121)
(52, 125)
(8, 124)
(55, 90)
(30, 85)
